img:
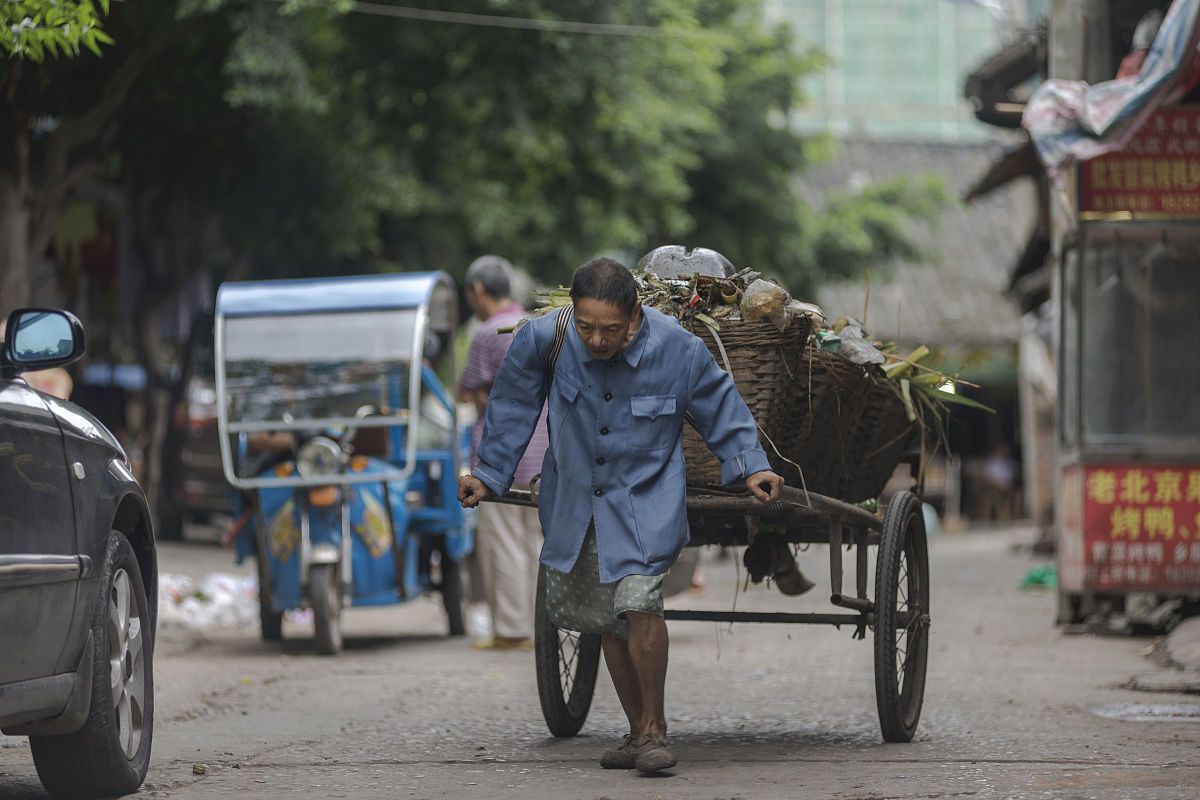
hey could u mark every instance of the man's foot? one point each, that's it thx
(622, 756)
(653, 755)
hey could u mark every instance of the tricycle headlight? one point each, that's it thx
(319, 456)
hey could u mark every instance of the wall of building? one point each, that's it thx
(897, 66)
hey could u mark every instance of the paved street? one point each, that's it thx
(756, 712)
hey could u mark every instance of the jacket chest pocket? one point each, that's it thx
(563, 395)
(654, 425)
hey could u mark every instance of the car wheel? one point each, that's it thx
(110, 754)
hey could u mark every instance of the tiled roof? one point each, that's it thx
(956, 296)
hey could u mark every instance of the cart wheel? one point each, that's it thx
(567, 663)
(270, 621)
(452, 594)
(901, 618)
(325, 595)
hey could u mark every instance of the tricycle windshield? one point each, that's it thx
(318, 367)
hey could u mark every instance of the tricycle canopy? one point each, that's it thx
(332, 355)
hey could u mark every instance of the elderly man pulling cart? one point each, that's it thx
(621, 379)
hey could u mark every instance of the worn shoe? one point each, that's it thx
(653, 755)
(623, 756)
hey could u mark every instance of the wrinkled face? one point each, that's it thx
(603, 327)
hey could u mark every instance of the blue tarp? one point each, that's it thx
(1072, 121)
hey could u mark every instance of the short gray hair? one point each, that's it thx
(493, 274)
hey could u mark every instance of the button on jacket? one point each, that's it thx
(616, 453)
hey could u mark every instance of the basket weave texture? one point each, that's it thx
(850, 427)
(765, 363)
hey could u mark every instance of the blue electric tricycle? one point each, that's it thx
(341, 445)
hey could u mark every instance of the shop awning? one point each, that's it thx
(1072, 121)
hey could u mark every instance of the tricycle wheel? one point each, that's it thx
(901, 618)
(452, 594)
(567, 663)
(270, 621)
(325, 595)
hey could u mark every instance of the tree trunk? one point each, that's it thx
(16, 262)
(150, 354)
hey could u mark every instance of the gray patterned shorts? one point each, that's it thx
(578, 601)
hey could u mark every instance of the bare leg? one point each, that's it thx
(624, 678)
(648, 652)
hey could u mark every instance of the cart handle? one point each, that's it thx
(793, 500)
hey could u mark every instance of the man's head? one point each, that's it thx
(488, 284)
(606, 306)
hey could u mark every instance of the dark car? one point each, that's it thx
(78, 578)
(193, 485)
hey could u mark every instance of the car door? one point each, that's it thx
(39, 555)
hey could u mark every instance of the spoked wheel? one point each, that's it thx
(567, 663)
(901, 618)
(325, 595)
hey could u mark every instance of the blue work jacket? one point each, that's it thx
(615, 453)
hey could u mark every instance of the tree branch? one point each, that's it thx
(87, 127)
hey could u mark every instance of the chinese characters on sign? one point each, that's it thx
(1158, 172)
(1141, 527)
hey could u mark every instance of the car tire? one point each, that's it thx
(110, 754)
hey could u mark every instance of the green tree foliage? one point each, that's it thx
(874, 224)
(269, 138)
(34, 29)
(421, 145)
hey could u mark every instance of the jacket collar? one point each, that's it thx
(633, 353)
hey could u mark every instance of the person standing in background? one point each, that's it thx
(508, 538)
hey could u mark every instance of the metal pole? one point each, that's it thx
(835, 557)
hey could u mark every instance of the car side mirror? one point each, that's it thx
(41, 338)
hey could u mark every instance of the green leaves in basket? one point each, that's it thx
(707, 320)
(957, 399)
(906, 395)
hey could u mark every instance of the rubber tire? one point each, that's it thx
(270, 621)
(90, 762)
(453, 595)
(903, 534)
(564, 715)
(325, 596)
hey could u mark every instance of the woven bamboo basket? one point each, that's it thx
(849, 428)
(765, 362)
(879, 439)
(827, 400)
